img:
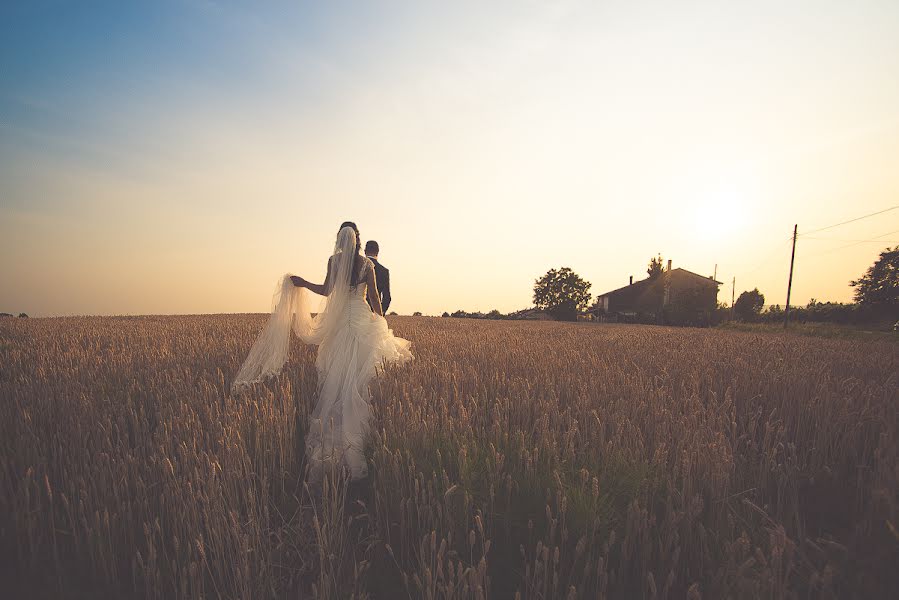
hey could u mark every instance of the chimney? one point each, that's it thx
(632, 280)
(669, 264)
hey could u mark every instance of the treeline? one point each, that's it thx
(876, 301)
(829, 312)
(750, 308)
(493, 314)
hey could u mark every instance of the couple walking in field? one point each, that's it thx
(353, 341)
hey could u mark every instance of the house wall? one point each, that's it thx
(650, 295)
(682, 283)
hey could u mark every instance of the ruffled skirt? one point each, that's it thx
(346, 363)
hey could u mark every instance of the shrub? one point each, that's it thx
(749, 305)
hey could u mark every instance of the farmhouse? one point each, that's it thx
(530, 314)
(677, 295)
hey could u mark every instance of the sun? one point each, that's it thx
(719, 213)
(718, 209)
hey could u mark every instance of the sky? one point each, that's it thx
(179, 157)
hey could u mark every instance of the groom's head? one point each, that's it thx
(371, 248)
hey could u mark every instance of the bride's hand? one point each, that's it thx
(298, 281)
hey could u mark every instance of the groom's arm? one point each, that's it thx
(374, 298)
(385, 291)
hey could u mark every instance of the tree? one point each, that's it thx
(562, 293)
(494, 314)
(655, 267)
(416, 314)
(445, 314)
(749, 305)
(878, 288)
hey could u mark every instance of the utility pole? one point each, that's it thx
(790, 282)
(733, 287)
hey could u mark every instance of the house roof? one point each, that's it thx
(648, 279)
(630, 285)
(700, 276)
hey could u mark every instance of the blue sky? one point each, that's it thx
(84, 74)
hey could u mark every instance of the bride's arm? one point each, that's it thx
(322, 289)
(374, 298)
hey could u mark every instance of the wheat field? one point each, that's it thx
(509, 460)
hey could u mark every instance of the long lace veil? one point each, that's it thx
(292, 310)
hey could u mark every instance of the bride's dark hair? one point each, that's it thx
(353, 273)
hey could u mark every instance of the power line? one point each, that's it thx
(880, 212)
(774, 252)
(794, 237)
(828, 251)
(879, 241)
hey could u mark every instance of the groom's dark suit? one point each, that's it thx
(382, 280)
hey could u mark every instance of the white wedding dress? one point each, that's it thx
(353, 342)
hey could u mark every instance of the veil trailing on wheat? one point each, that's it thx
(292, 310)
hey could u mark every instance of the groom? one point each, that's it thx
(382, 274)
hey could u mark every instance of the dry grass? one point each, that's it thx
(532, 460)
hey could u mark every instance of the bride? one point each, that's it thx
(353, 340)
